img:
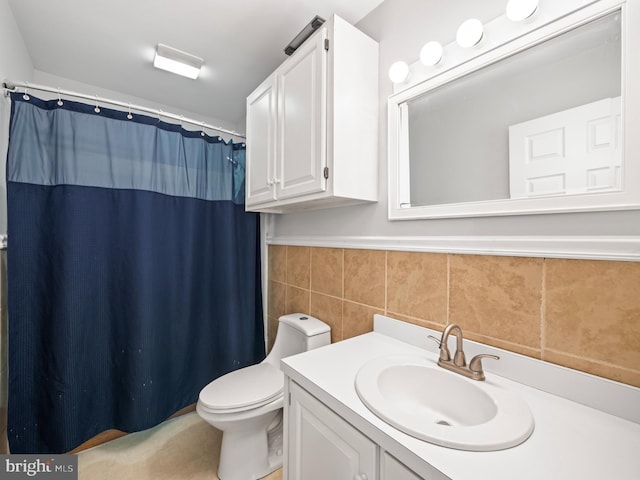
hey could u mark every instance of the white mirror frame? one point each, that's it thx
(502, 39)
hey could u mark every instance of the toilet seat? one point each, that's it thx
(243, 389)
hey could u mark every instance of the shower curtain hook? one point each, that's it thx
(26, 92)
(59, 98)
(181, 120)
(202, 131)
(129, 115)
(97, 109)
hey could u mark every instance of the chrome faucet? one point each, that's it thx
(459, 362)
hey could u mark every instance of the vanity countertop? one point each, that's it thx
(570, 441)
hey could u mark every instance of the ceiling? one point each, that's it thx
(111, 43)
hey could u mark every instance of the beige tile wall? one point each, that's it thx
(581, 314)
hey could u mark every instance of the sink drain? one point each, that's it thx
(443, 422)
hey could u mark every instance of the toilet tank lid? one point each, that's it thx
(308, 325)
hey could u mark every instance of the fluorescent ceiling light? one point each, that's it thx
(177, 61)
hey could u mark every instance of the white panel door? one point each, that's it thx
(392, 469)
(261, 143)
(323, 446)
(569, 152)
(302, 106)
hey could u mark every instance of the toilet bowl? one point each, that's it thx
(246, 404)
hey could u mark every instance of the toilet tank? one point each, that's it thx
(298, 333)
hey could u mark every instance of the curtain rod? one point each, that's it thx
(12, 86)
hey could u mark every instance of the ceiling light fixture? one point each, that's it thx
(469, 33)
(177, 61)
(518, 10)
(315, 23)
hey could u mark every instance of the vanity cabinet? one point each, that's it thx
(392, 469)
(321, 445)
(312, 125)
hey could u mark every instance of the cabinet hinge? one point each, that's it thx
(326, 44)
(326, 172)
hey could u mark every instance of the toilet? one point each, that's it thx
(246, 404)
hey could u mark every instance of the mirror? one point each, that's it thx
(535, 130)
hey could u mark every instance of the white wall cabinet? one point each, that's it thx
(312, 126)
(320, 445)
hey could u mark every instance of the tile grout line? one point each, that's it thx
(386, 281)
(448, 277)
(342, 296)
(286, 288)
(543, 302)
(309, 282)
(590, 360)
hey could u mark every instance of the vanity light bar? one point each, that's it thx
(469, 34)
(519, 10)
(399, 72)
(431, 54)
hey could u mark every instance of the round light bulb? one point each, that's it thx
(518, 10)
(431, 54)
(399, 72)
(469, 33)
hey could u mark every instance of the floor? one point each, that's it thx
(184, 448)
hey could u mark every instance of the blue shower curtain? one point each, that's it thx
(133, 271)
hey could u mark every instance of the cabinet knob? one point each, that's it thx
(276, 180)
(360, 476)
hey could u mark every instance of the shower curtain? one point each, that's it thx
(133, 271)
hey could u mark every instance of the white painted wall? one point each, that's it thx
(15, 62)
(402, 27)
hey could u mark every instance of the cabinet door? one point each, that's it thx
(261, 143)
(392, 469)
(323, 446)
(302, 124)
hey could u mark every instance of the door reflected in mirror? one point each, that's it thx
(542, 122)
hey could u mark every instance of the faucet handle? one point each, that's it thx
(444, 350)
(475, 365)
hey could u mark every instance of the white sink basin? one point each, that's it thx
(423, 400)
